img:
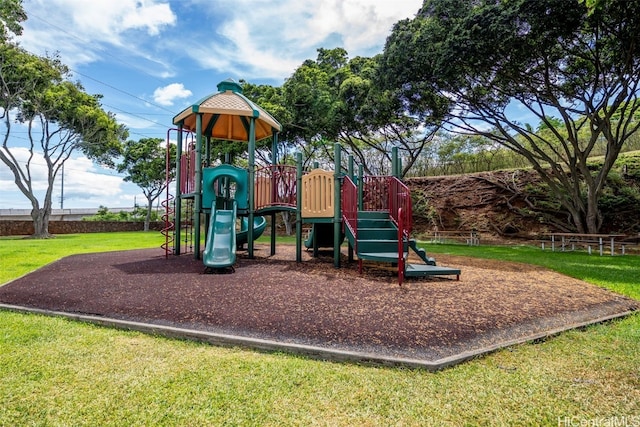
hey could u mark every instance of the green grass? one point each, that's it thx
(59, 372)
(618, 273)
(19, 255)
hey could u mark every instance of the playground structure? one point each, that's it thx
(372, 213)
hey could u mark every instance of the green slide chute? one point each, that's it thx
(259, 224)
(220, 248)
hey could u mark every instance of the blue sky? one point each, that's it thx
(152, 58)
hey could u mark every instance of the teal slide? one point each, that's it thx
(220, 248)
(259, 224)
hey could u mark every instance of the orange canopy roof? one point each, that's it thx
(226, 115)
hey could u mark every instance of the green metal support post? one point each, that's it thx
(197, 198)
(207, 151)
(337, 212)
(351, 167)
(274, 162)
(251, 183)
(298, 207)
(394, 162)
(360, 188)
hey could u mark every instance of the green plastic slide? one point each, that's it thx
(220, 248)
(259, 224)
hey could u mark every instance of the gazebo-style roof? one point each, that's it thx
(226, 115)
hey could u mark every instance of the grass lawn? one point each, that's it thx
(59, 372)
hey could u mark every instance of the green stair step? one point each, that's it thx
(377, 240)
(375, 223)
(377, 245)
(380, 256)
(373, 214)
(421, 270)
(377, 233)
(374, 219)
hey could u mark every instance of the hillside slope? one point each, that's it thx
(511, 204)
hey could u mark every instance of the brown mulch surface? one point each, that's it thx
(312, 303)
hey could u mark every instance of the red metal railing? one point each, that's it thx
(400, 247)
(188, 172)
(375, 193)
(389, 194)
(400, 209)
(169, 225)
(275, 185)
(350, 207)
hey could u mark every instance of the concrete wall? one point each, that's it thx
(56, 214)
(25, 228)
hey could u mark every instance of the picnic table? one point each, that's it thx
(571, 239)
(471, 237)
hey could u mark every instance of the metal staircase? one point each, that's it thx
(376, 239)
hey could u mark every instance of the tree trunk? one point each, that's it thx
(147, 218)
(578, 221)
(40, 223)
(41, 215)
(287, 224)
(593, 217)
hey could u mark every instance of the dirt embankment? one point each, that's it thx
(503, 204)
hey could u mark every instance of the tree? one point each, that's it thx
(271, 99)
(334, 99)
(374, 120)
(59, 118)
(573, 60)
(145, 162)
(11, 15)
(310, 99)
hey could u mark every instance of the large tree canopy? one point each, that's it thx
(337, 99)
(560, 62)
(59, 119)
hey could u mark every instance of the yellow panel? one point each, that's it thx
(317, 194)
(262, 192)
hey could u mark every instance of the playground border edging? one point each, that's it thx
(315, 352)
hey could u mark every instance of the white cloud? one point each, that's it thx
(168, 94)
(264, 39)
(83, 177)
(89, 26)
(84, 182)
(37, 168)
(132, 122)
(106, 20)
(271, 38)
